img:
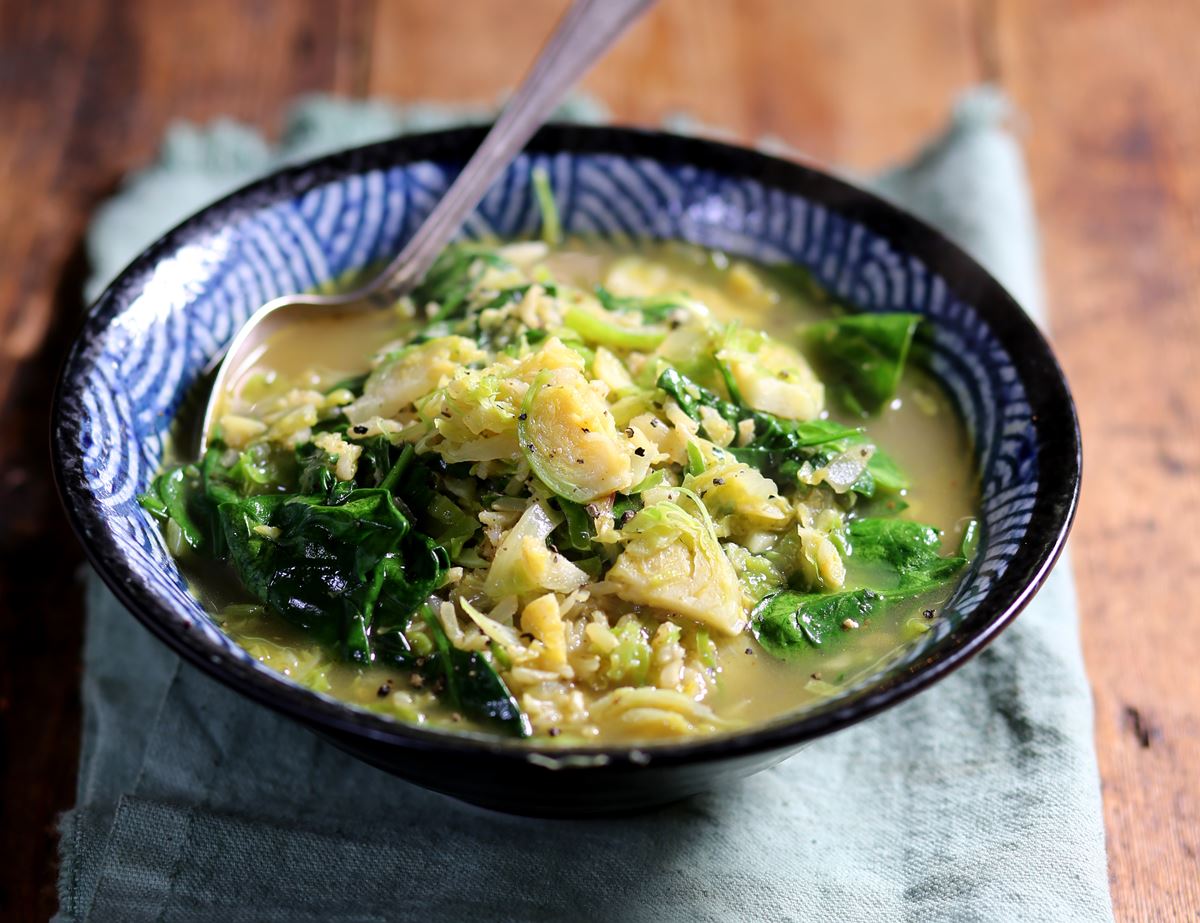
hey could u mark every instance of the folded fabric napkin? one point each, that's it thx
(977, 800)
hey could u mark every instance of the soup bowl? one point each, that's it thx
(146, 342)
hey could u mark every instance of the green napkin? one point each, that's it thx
(977, 800)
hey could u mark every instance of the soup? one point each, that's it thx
(581, 493)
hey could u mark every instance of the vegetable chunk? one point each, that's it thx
(567, 490)
(414, 371)
(570, 439)
(674, 561)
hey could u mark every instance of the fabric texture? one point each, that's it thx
(977, 800)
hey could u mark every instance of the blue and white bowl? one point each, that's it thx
(148, 338)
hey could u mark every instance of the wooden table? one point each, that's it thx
(1108, 99)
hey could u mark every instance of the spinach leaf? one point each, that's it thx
(413, 480)
(480, 692)
(315, 474)
(894, 559)
(780, 446)
(791, 621)
(332, 570)
(376, 461)
(770, 431)
(903, 555)
(882, 473)
(249, 550)
(452, 277)
(172, 497)
(625, 507)
(577, 524)
(413, 576)
(176, 489)
(467, 679)
(886, 474)
(863, 356)
(449, 284)
(340, 560)
(186, 495)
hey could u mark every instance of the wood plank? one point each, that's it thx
(1109, 92)
(87, 91)
(810, 76)
(40, 615)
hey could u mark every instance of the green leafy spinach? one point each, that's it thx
(894, 559)
(862, 356)
(781, 446)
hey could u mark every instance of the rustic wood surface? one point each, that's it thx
(1107, 93)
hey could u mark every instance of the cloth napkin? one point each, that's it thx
(976, 800)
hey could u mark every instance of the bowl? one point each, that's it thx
(146, 341)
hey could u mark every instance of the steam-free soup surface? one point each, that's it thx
(608, 545)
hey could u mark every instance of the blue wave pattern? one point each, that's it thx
(149, 358)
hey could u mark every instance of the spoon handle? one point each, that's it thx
(583, 34)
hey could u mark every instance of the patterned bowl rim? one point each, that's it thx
(1059, 457)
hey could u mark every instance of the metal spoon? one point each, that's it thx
(583, 34)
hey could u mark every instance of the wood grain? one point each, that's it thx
(753, 67)
(1107, 92)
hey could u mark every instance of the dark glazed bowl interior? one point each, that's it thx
(147, 339)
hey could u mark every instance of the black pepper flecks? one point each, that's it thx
(639, 452)
(384, 690)
(360, 429)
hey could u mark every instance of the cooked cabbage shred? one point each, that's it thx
(581, 500)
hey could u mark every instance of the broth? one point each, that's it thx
(919, 429)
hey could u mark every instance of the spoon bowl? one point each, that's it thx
(147, 340)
